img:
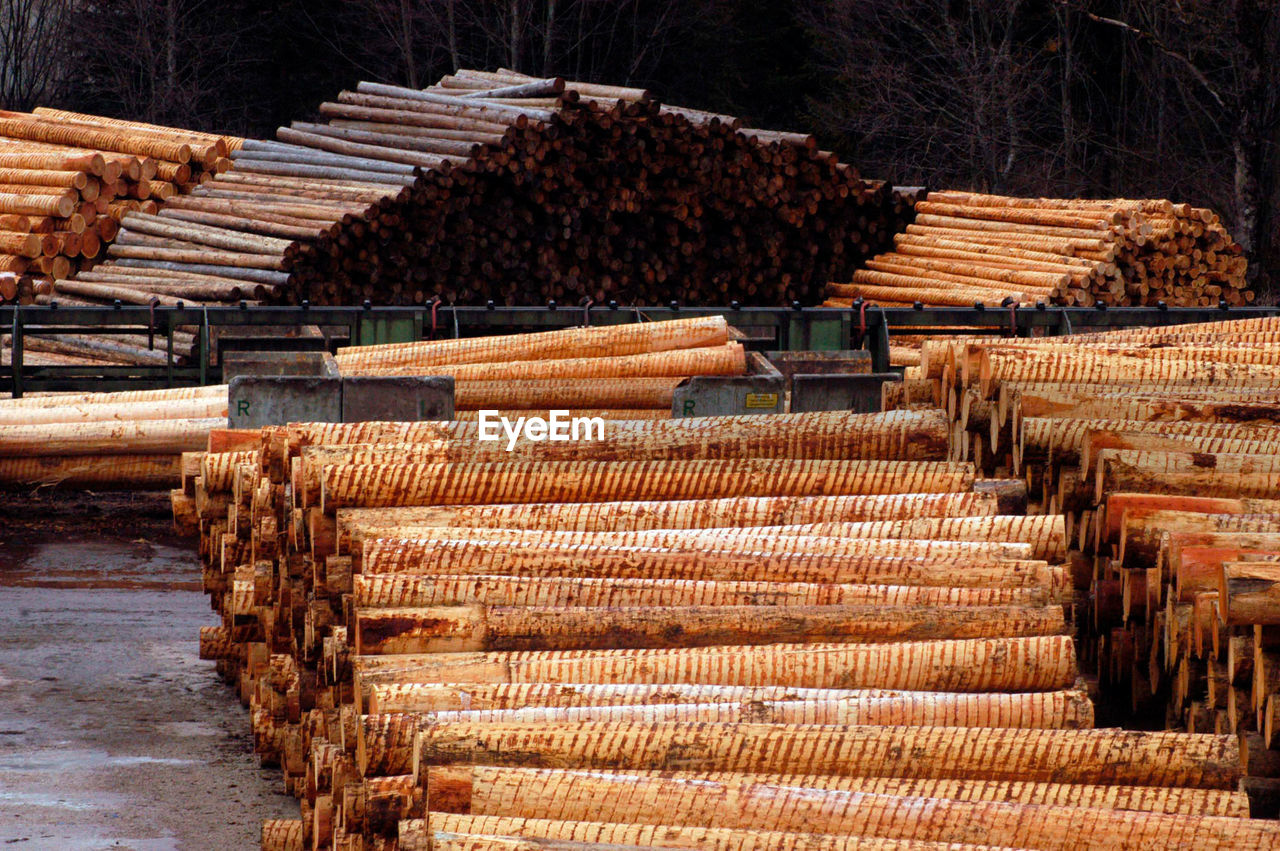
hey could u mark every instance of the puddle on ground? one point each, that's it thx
(113, 734)
(134, 565)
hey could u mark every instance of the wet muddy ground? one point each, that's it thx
(113, 734)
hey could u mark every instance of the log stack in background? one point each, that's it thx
(67, 180)
(504, 187)
(786, 631)
(965, 248)
(1161, 447)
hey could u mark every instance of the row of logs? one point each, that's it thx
(965, 248)
(135, 439)
(496, 186)
(1160, 446)
(783, 631)
(67, 181)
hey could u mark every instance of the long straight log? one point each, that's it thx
(919, 820)
(230, 259)
(628, 796)
(61, 400)
(900, 435)
(1062, 439)
(890, 818)
(729, 359)
(1060, 756)
(409, 484)
(974, 665)
(262, 276)
(94, 472)
(465, 831)
(139, 437)
(864, 564)
(473, 697)
(397, 591)
(1203, 474)
(418, 550)
(216, 237)
(1032, 365)
(1243, 444)
(597, 342)
(475, 628)
(384, 742)
(1123, 506)
(112, 292)
(679, 514)
(1044, 536)
(207, 407)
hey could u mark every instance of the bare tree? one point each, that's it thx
(166, 61)
(32, 51)
(943, 90)
(413, 42)
(1224, 59)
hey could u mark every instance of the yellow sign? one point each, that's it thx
(762, 400)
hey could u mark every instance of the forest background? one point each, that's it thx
(1089, 98)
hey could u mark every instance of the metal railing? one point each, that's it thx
(863, 326)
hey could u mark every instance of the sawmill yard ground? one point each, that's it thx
(113, 734)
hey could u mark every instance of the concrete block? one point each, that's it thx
(254, 401)
(318, 364)
(369, 398)
(842, 362)
(860, 393)
(761, 391)
(718, 395)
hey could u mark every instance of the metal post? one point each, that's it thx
(202, 343)
(877, 343)
(15, 358)
(168, 322)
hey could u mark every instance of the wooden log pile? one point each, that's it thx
(67, 180)
(614, 372)
(497, 186)
(788, 631)
(132, 440)
(136, 439)
(965, 248)
(1160, 447)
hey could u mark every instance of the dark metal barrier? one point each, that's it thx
(778, 328)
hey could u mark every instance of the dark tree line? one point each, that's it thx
(1175, 98)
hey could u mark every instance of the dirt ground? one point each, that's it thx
(113, 734)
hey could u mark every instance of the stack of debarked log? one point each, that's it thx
(615, 372)
(519, 190)
(965, 248)
(134, 439)
(131, 440)
(1162, 447)
(67, 180)
(789, 631)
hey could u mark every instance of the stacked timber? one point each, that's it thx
(68, 179)
(964, 248)
(1161, 448)
(613, 372)
(502, 187)
(789, 631)
(136, 439)
(132, 440)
